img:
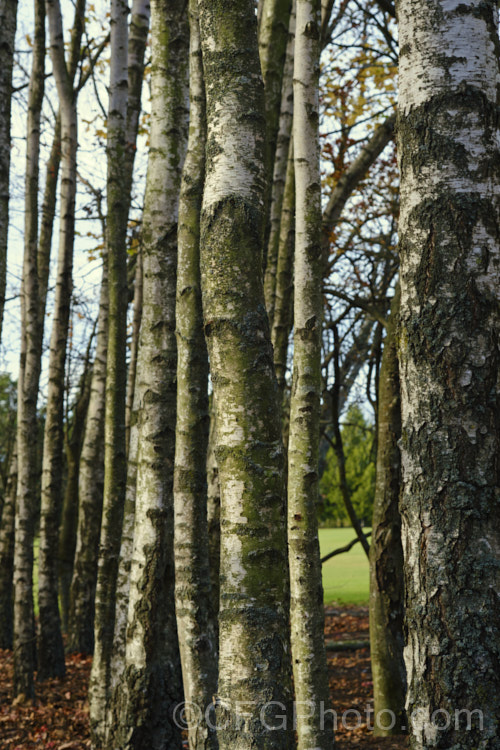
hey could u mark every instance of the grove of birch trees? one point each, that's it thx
(223, 223)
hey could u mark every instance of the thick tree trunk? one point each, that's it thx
(29, 374)
(7, 555)
(254, 656)
(449, 367)
(8, 18)
(142, 714)
(193, 602)
(386, 552)
(90, 491)
(306, 605)
(115, 471)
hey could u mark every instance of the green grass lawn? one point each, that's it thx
(345, 577)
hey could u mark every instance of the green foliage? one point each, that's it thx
(357, 438)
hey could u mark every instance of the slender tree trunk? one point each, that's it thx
(273, 37)
(50, 644)
(29, 374)
(142, 715)
(47, 219)
(137, 39)
(134, 345)
(115, 472)
(51, 649)
(8, 18)
(281, 166)
(449, 366)
(193, 601)
(254, 656)
(213, 521)
(69, 517)
(123, 581)
(283, 291)
(386, 552)
(7, 555)
(90, 491)
(81, 630)
(306, 605)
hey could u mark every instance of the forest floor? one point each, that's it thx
(59, 718)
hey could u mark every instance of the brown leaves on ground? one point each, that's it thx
(351, 687)
(58, 720)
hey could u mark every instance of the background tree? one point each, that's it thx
(51, 649)
(8, 18)
(29, 374)
(357, 440)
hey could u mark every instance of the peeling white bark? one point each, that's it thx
(450, 262)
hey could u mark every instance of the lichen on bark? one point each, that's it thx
(254, 661)
(448, 350)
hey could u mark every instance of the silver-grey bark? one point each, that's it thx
(8, 19)
(193, 599)
(141, 714)
(314, 725)
(29, 374)
(254, 665)
(449, 369)
(50, 644)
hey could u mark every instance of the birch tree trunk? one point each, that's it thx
(50, 644)
(449, 369)
(8, 18)
(29, 374)
(386, 553)
(69, 516)
(7, 555)
(213, 521)
(282, 294)
(142, 714)
(81, 629)
(115, 472)
(126, 552)
(273, 37)
(90, 491)
(254, 659)
(281, 160)
(134, 346)
(193, 601)
(306, 606)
